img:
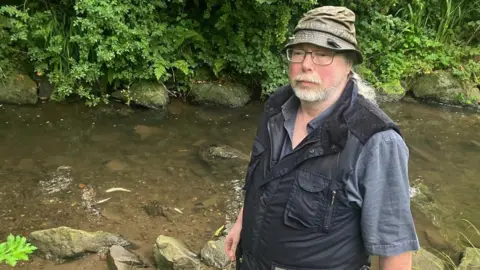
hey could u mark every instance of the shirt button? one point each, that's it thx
(312, 151)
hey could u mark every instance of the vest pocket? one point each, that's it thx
(306, 206)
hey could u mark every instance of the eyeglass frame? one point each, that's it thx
(311, 55)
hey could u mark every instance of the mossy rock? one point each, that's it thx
(470, 260)
(18, 89)
(443, 87)
(220, 94)
(391, 91)
(149, 94)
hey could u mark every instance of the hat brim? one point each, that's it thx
(325, 40)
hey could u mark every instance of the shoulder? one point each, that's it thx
(384, 150)
(386, 138)
(365, 119)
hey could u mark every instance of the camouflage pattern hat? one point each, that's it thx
(330, 27)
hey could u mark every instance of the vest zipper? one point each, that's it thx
(330, 211)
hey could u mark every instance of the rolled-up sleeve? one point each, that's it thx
(381, 189)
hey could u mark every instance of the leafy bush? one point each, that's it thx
(88, 48)
(15, 249)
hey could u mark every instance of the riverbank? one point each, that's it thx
(156, 156)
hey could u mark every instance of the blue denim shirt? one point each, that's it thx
(379, 186)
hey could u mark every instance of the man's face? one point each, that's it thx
(312, 82)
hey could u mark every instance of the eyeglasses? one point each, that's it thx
(320, 58)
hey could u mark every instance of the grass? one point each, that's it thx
(448, 261)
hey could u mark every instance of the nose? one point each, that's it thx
(307, 64)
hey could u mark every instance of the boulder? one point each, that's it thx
(118, 258)
(213, 253)
(18, 89)
(152, 95)
(221, 154)
(220, 94)
(470, 260)
(63, 243)
(442, 86)
(423, 260)
(171, 253)
(391, 92)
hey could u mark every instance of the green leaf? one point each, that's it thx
(159, 71)
(11, 261)
(110, 74)
(182, 65)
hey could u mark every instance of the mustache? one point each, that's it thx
(311, 78)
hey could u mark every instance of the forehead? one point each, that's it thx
(310, 47)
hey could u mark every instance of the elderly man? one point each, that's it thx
(327, 184)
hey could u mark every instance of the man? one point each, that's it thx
(327, 184)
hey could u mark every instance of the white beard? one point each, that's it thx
(313, 94)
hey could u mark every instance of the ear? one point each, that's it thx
(348, 68)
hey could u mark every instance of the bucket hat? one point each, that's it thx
(330, 27)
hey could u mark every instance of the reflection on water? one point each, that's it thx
(51, 152)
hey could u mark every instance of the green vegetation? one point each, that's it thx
(15, 249)
(88, 48)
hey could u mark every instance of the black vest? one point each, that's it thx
(296, 211)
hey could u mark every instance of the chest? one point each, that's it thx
(300, 130)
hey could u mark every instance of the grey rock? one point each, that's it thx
(442, 86)
(171, 253)
(221, 154)
(220, 94)
(470, 260)
(148, 94)
(423, 260)
(66, 243)
(213, 253)
(119, 258)
(18, 89)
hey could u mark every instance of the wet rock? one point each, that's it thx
(423, 259)
(66, 243)
(155, 209)
(146, 131)
(220, 94)
(171, 253)
(221, 154)
(148, 94)
(119, 258)
(18, 89)
(116, 165)
(442, 86)
(45, 88)
(470, 260)
(213, 253)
